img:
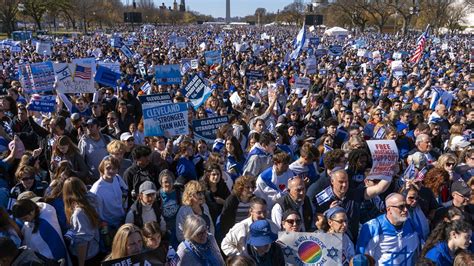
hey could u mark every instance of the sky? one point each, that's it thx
(216, 8)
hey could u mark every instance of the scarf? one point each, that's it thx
(202, 252)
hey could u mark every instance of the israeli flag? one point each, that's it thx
(436, 95)
(298, 45)
(146, 88)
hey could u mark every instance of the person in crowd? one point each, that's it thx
(273, 182)
(238, 260)
(10, 254)
(415, 214)
(306, 165)
(236, 206)
(437, 181)
(140, 171)
(260, 155)
(448, 162)
(127, 241)
(423, 145)
(216, 190)
(390, 238)
(116, 150)
(445, 240)
(171, 202)
(235, 157)
(261, 245)
(193, 202)
(461, 195)
(112, 128)
(198, 247)
(93, 146)
(291, 221)
(26, 182)
(235, 241)
(41, 231)
(65, 150)
(185, 168)
(147, 208)
(83, 220)
(463, 258)
(111, 192)
(154, 240)
(334, 159)
(9, 229)
(296, 200)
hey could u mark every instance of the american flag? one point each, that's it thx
(83, 72)
(420, 46)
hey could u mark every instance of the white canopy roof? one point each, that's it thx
(335, 31)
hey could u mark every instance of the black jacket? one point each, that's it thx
(135, 176)
(286, 203)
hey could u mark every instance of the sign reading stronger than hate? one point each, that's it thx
(166, 119)
(206, 128)
(384, 158)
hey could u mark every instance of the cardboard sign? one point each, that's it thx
(384, 158)
(206, 128)
(37, 77)
(196, 91)
(166, 120)
(168, 74)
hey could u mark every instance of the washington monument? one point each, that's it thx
(227, 11)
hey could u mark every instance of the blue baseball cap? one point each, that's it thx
(261, 234)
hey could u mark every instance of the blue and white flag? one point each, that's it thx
(126, 51)
(146, 88)
(197, 91)
(299, 43)
(46, 103)
(116, 42)
(168, 74)
(409, 172)
(436, 95)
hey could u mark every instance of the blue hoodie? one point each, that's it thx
(439, 254)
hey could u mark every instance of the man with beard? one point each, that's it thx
(389, 239)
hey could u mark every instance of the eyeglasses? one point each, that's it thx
(340, 221)
(450, 164)
(200, 193)
(111, 118)
(130, 140)
(27, 178)
(462, 196)
(401, 207)
(412, 198)
(293, 221)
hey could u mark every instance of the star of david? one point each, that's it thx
(288, 251)
(333, 253)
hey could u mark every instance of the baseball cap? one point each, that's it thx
(461, 187)
(75, 117)
(459, 142)
(28, 195)
(261, 234)
(92, 121)
(125, 136)
(147, 187)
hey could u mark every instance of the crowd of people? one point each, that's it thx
(84, 184)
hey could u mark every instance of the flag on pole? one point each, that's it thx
(420, 46)
(298, 45)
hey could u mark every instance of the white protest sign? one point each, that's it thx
(362, 52)
(311, 248)
(75, 77)
(311, 65)
(384, 158)
(194, 63)
(43, 48)
(302, 83)
(235, 99)
(397, 55)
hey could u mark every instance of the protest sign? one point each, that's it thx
(320, 52)
(115, 67)
(335, 50)
(311, 248)
(40, 103)
(106, 77)
(143, 259)
(302, 83)
(310, 65)
(384, 158)
(43, 48)
(75, 77)
(213, 57)
(397, 56)
(166, 120)
(314, 41)
(37, 77)
(194, 63)
(362, 53)
(126, 51)
(206, 128)
(168, 74)
(196, 91)
(15, 49)
(155, 99)
(254, 74)
(116, 42)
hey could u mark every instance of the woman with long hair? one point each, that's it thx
(54, 197)
(216, 190)
(235, 158)
(448, 162)
(155, 240)
(436, 180)
(416, 215)
(127, 241)
(65, 150)
(193, 203)
(8, 228)
(374, 119)
(83, 221)
(185, 168)
(445, 240)
(171, 201)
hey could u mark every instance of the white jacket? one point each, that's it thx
(235, 242)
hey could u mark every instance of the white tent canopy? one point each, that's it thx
(336, 31)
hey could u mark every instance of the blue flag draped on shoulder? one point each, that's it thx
(300, 40)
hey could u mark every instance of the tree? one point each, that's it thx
(292, 13)
(259, 14)
(8, 12)
(456, 15)
(405, 9)
(435, 12)
(36, 10)
(350, 9)
(378, 11)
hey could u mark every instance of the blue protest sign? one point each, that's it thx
(116, 42)
(126, 51)
(168, 74)
(254, 74)
(213, 57)
(320, 52)
(314, 41)
(206, 128)
(42, 103)
(106, 76)
(335, 50)
(166, 120)
(196, 91)
(159, 98)
(37, 77)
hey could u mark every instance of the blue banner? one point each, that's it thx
(40, 103)
(314, 41)
(197, 91)
(159, 98)
(335, 49)
(37, 77)
(206, 128)
(320, 52)
(106, 76)
(254, 74)
(166, 120)
(116, 42)
(127, 52)
(167, 74)
(213, 57)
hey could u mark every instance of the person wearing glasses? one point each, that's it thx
(390, 238)
(193, 203)
(461, 196)
(415, 213)
(375, 118)
(25, 176)
(291, 221)
(112, 128)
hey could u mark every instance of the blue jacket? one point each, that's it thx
(439, 254)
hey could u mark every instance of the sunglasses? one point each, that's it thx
(293, 221)
(200, 193)
(450, 164)
(27, 178)
(401, 207)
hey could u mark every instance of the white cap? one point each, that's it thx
(459, 142)
(125, 136)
